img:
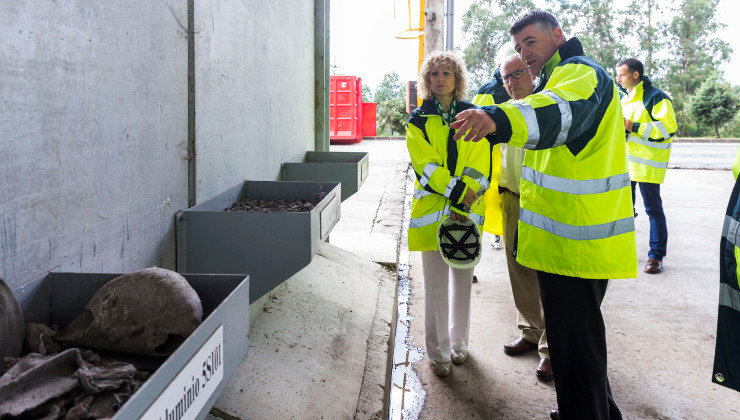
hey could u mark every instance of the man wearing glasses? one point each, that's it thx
(519, 83)
(492, 93)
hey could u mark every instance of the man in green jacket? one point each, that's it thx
(576, 224)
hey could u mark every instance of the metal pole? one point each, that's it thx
(321, 75)
(192, 179)
(434, 27)
(450, 44)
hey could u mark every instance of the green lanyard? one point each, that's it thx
(446, 116)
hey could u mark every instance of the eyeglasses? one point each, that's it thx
(515, 75)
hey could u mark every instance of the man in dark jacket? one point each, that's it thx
(727, 353)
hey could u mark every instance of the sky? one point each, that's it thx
(363, 39)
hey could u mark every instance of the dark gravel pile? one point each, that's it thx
(269, 206)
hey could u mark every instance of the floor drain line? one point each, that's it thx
(406, 395)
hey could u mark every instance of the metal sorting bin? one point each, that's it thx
(349, 168)
(219, 343)
(271, 247)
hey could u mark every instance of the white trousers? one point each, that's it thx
(446, 315)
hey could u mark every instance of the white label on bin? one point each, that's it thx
(329, 216)
(186, 395)
(363, 170)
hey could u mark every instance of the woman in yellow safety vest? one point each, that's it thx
(450, 177)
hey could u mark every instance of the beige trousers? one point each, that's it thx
(524, 284)
(446, 306)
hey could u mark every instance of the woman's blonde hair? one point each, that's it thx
(445, 58)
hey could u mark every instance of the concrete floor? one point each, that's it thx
(320, 347)
(319, 341)
(660, 328)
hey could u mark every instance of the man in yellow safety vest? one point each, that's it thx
(519, 83)
(650, 123)
(576, 224)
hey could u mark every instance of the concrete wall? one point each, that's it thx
(93, 130)
(94, 121)
(254, 89)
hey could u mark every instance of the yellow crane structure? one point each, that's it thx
(411, 31)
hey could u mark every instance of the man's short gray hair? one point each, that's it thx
(504, 52)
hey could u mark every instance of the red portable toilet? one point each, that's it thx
(369, 119)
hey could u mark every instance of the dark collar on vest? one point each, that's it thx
(570, 48)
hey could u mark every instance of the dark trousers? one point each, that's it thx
(577, 342)
(654, 209)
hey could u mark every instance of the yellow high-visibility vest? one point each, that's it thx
(649, 143)
(492, 93)
(576, 207)
(445, 170)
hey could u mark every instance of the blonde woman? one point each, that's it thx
(450, 177)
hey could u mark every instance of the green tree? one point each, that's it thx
(696, 52)
(600, 28)
(367, 94)
(715, 104)
(391, 98)
(644, 23)
(488, 28)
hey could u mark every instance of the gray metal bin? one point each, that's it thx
(58, 298)
(349, 168)
(270, 247)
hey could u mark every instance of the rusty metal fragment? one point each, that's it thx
(36, 379)
(40, 338)
(149, 312)
(66, 385)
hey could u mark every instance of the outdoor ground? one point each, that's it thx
(660, 328)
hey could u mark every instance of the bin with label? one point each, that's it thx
(206, 359)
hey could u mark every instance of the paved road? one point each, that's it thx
(703, 155)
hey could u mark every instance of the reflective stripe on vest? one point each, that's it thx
(566, 117)
(437, 216)
(578, 233)
(450, 186)
(478, 177)
(429, 219)
(647, 162)
(655, 145)
(428, 171)
(418, 194)
(530, 117)
(730, 230)
(659, 125)
(477, 218)
(729, 297)
(577, 187)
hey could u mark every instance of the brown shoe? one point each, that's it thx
(519, 346)
(544, 370)
(654, 266)
(555, 414)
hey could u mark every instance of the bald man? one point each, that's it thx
(519, 83)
